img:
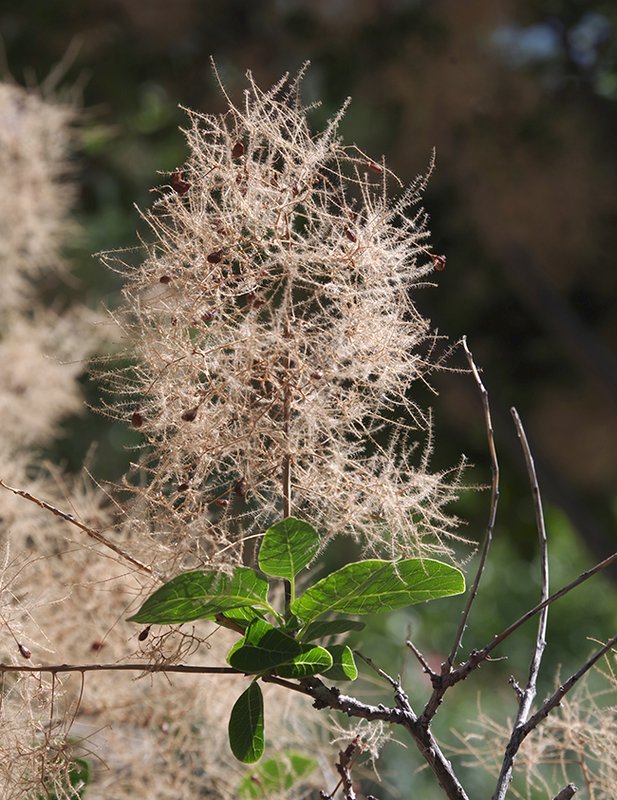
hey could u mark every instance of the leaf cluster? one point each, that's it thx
(290, 645)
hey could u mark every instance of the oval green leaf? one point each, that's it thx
(196, 595)
(287, 547)
(343, 664)
(246, 726)
(262, 648)
(311, 661)
(368, 586)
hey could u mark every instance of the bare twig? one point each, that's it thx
(520, 733)
(488, 536)
(394, 683)
(423, 662)
(527, 695)
(91, 532)
(344, 770)
(479, 656)
(441, 681)
(55, 669)
(555, 699)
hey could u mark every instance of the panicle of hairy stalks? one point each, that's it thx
(577, 743)
(35, 196)
(275, 338)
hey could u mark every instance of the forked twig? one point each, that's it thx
(91, 532)
(555, 699)
(527, 695)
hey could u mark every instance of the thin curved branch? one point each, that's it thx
(527, 695)
(488, 537)
(91, 532)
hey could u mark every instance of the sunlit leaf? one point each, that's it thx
(196, 595)
(287, 547)
(368, 586)
(343, 664)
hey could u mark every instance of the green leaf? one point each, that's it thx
(343, 664)
(325, 627)
(241, 616)
(246, 726)
(262, 648)
(275, 775)
(311, 661)
(195, 595)
(367, 586)
(287, 547)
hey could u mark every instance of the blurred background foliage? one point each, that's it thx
(519, 98)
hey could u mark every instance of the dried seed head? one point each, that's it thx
(237, 150)
(24, 650)
(143, 635)
(215, 257)
(439, 263)
(137, 419)
(178, 184)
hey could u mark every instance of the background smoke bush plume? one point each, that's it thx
(276, 338)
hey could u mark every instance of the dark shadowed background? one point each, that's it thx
(519, 99)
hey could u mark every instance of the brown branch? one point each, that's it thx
(344, 770)
(402, 714)
(91, 532)
(523, 730)
(527, 695)
(441, 682)
(555, 699)
(488, 536)
(55, 669)
(422, 660)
